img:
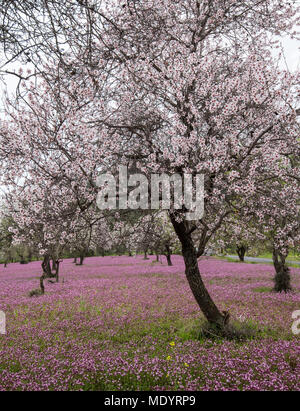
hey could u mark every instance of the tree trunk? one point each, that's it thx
(46, 266)
(46, 272)
(168, 255)
(22, 260)
(81, 258)
(42, 284)
(75, 260)
(53, 264)
(29, 258)
(157, 257)
(57, 262)
(241, 251)
(205, 302)
(282, 277)
(145, 255)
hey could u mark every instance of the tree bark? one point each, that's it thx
(145, 255)
(168, 255)
(241, 251)
(75, 260)
(81, 258)
(42, 287)
(204, 300)
(46, 266)
(53, 264)
(57, 262)
(282, 277)
(22, 260)
(46, 272)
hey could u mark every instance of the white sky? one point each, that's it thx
(291, 52)
(290, 47)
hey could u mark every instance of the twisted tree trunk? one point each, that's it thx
(282, 277)
(46, 272)
(204, 300)
(46, 266)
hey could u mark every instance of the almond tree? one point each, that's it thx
(174, 87)
(166, 241)
(198, 92)
(280, 225)
(272, 214)
(237, 234)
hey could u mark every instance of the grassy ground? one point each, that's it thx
(291, 256)
(233, 260)
(121, 323)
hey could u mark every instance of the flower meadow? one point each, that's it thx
(124, 323)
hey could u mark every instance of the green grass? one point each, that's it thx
(262, 289)
(291, 256)
(233, 260)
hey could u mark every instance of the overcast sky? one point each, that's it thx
(291, 52)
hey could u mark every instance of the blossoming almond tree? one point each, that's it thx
(199, 93)
(175, 87)
(273, 230)
(279, 223)
(166, 241)
(235, 234)
(154, 232)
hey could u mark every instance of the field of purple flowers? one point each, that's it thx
(122, 323)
